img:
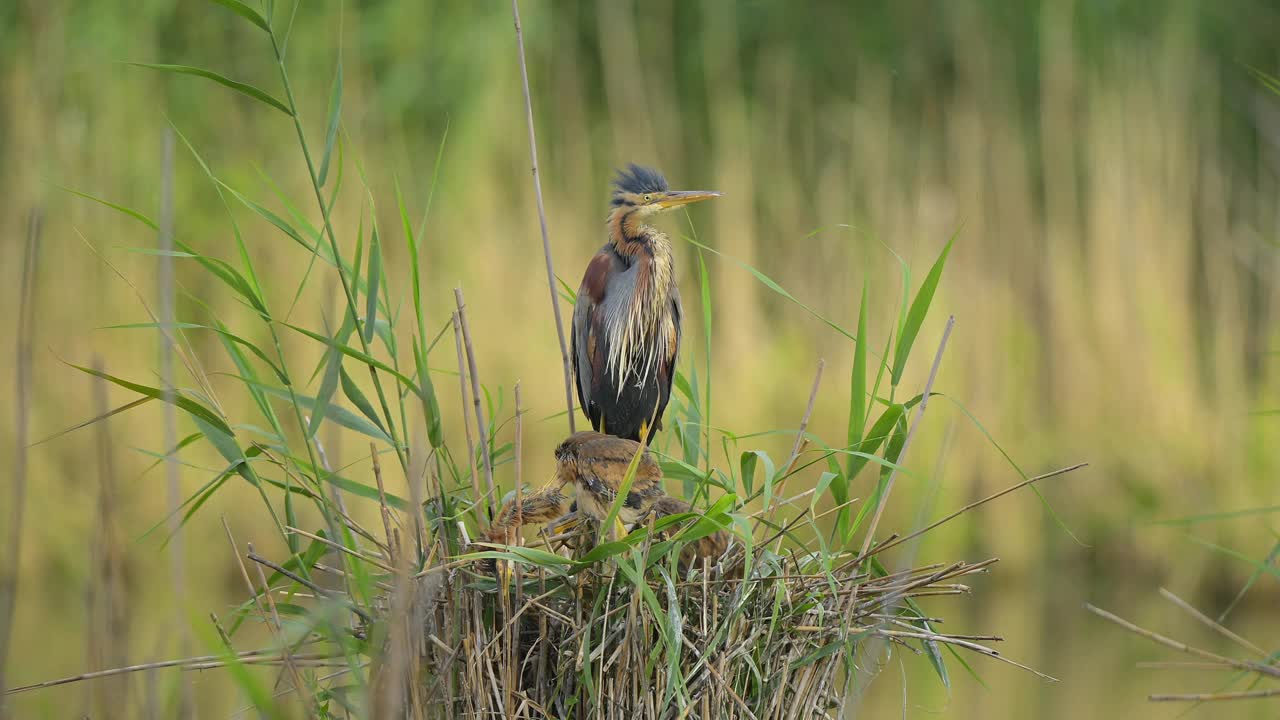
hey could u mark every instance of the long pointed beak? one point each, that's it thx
(676, 198)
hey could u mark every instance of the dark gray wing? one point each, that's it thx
(590, 351)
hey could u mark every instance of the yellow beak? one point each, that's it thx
(676, 198)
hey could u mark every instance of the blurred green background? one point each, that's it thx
(1112, 168)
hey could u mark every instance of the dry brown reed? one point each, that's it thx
(22, 410)
(1264, 668)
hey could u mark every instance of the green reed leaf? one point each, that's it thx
(916, 315)
(335, 116)
(245, 12)
(239, 87)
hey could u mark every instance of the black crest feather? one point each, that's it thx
(637, 179)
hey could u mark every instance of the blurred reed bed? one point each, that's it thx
(1112, 276)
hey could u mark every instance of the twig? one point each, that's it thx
(952, 640)
(542, 220)
(1213, 697)
(800, 438)
(339, 503)
(301, 661)
(890, 543)
(1183, 647)
(319, 591)
(519, 452)
(804, 421)
(244, 571)
(344, 574)
(481, 426)
(1181, 665)
(1216, 626)
(510, 662)
(453, 565)
(382, 504)
(340, 548)
(257, 597)
(278, 630)
(22, 405)
(466, 409)
(180, 663)
(222, 633)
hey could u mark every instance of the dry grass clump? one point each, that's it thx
(617, 630)
(776, 644)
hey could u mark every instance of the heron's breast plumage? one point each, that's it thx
(639, 314)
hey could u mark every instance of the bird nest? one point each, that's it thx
(584, 625)
(635, 638)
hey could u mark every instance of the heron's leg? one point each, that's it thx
(506, 571)
(619, 526)
(565, 523)
(573, 519)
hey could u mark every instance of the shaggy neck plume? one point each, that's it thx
(648, 253)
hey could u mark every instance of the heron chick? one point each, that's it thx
(540, 507)
(597, 464)
(705, 549)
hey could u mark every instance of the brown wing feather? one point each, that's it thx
(588, 353)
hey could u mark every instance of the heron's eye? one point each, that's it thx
(648, 198)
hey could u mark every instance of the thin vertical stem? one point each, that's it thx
(105, 599)
(481, 426)
(798, 445)
(392, 550)
(22, 405)
(542, 220)
(168, 317)
(512, 643)
(466, 412)
(519, 445)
